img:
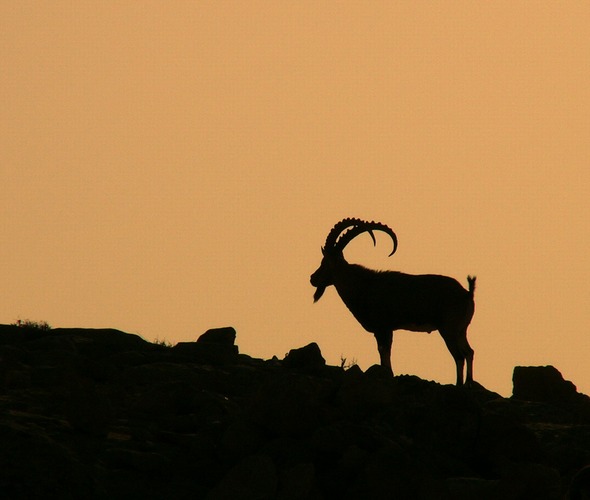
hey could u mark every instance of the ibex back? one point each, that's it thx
(385, 301)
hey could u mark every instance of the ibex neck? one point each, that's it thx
(350, 279)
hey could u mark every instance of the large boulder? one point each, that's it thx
(216, 347)
(308, 357)
(541, 383)
(225, 336)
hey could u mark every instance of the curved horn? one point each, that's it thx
(361, 227)
(337, 231)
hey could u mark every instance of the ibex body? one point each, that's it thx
(385, 301)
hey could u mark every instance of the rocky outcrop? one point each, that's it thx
(305, 358)
(542, 383)
(101, 414)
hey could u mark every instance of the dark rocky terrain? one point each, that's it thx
(101, 414)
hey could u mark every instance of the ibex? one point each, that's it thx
(384, 301)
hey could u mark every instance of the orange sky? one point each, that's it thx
(168, 167)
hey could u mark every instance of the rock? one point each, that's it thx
(177, 399)
(541, 383)
(100, 342)
(140, 461)
(297, 483)
(579, 488)
(103, 414)
(35, 466)
(308, 357)
(12, 334)
(254, 478)
(360, 394)
(387, 477)
(87, 410)
(471, 488)
(287, 405)
(225, 336)
(529, 480)
(239, 440)
(327, 442)
(216, 346)
(501, 442)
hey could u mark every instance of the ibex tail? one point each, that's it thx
(471, 281)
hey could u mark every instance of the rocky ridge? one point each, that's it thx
(102, 414)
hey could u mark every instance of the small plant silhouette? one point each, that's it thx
(345, 364)
(162, 342)
(32, 325)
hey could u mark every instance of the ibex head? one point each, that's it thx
(334, 246)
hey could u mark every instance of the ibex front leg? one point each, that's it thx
(384, 340)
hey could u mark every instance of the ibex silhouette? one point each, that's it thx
(385, 301)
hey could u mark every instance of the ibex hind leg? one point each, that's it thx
(456, 347)
(468, 354)
(384, 340)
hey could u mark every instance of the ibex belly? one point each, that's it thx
(417, 327)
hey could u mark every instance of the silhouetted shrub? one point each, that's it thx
(32, 325)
